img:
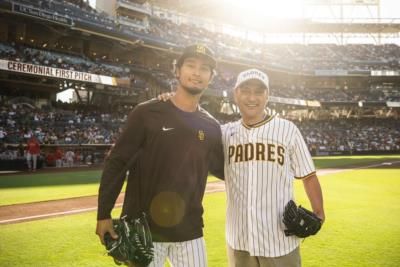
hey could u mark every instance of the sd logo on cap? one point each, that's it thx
(198, 50)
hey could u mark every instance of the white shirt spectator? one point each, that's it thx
(69, 157)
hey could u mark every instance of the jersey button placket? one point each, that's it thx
(250, 191)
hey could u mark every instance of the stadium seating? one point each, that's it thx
(77, 124)
(352, 135)
(290, 57)
(223, 81)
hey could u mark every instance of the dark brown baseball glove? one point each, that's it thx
(300, 221)
(134, 243)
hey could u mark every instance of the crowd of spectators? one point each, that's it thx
(374, 93)
(354, 135)
(75, 124)
(53, 59)
(19, 122)
(63, 127)
(223, 81)
(294, 57)
(291, 57)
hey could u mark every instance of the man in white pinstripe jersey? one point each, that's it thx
(263, 156)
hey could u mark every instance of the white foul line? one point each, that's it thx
(51, 215)
(118, 205)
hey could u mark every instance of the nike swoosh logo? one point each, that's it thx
(166, 129)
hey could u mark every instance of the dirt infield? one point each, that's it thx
(47, 209)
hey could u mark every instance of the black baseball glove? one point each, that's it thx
(134, 243)
(300, 221)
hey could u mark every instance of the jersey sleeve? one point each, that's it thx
(216, 166)
(122, 154)
(301, 161)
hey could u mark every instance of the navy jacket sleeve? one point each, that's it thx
(115, 167)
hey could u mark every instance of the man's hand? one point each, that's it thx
(103, 227)
(321, 215)
(165, 96)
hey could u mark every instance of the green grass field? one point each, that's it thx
(362, 209)
(344, 161)
(25, 188)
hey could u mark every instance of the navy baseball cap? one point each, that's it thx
(198, 50)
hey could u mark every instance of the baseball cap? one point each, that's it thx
(251, 74)
(198, 50)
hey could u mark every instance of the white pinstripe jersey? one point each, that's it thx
(261, 163)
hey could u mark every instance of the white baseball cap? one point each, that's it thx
(251, 74)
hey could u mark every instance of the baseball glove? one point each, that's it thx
(134, 243)
(300, 221)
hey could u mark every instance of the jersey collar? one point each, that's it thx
(258, 124)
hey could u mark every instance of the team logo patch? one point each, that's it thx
(201, 49)
(201, 135)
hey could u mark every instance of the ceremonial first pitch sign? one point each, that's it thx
(56, 72)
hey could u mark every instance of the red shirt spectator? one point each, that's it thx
(59, 154)
(33, 146)
(50, 159)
